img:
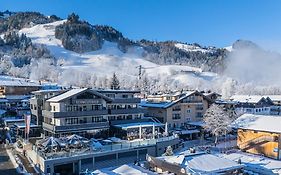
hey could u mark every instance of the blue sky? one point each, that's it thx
(207, 22)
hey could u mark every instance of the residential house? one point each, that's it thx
(259, 134)
(252, 104)
(14, 93)
(177, 109)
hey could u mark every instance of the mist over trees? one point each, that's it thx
(21, 58)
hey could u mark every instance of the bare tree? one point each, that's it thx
(217, 121)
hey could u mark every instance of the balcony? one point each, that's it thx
(125, 111)
(77, 127)
(50, 114)
(126, 100)
(192, 101)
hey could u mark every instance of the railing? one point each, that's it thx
(73, 113)
(258, 140)
(192, 101)
(125, 111)
(108, 148)
(126, 100)
(82, 126)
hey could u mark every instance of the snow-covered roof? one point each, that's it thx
(10, 81)
(46, 91)
(138, 124)
(73, 92)
(258, 163)
(12, 119)
(22, 125)
(267, 123)
(246, 98)
(2, 112)
(273, 97)
(169, 104)
(117, 91)
(66, 95)
(126, 169)
(3, 100)
(154, 104)
(209, 163)
(197, 123)
(186, 131)
(203, 163)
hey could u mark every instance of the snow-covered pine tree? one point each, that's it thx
(115, 85)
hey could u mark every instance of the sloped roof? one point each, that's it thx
(269, 123)
(247, 98)
(169, 104)
(273, 97)
(73, 92)
(202, 163)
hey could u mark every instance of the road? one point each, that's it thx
(6, 166)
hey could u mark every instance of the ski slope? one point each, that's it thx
(110, 59)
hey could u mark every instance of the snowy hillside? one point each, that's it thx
(191, 48)
(110, 59)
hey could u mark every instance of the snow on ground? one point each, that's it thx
(110, 59)
(127, 169)
(191, 48)
(229, 48)
(13, 81)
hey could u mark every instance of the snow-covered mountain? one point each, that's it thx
(110, 59)
(74, 52)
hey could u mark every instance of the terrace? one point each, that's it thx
(62, 149)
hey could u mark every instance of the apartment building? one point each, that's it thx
(85, 110)
(177, 109)
(37, 103)
(253, 104)
(14, 93)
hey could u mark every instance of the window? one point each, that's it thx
(176, 116)
(176, 108)
(71, 121)
(68, 108)
(54, 108)
(199, 107)
(125, 96)
(110, 95)
(199, 114)
(111, 117)
(188, 111)
(129, 117)
(97, 119)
